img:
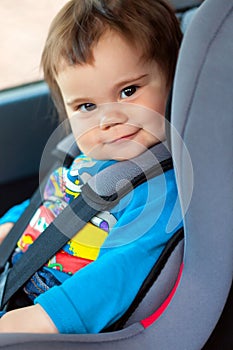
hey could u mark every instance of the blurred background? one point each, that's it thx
(23, 29)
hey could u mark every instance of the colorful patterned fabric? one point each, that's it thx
(62, 187)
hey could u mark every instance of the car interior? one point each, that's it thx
(189, 305)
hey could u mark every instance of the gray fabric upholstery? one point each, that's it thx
(186, 18)
(184, 4)
(162, 288)
(203, 115)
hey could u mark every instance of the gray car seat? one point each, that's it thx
(202, 113)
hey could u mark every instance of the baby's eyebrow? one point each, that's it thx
(130, 80)
(77, 100)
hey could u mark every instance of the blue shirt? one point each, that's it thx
(13, 214)
(97, 295)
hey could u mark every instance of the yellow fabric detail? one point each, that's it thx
(87, 242)
(74, 194)
(24, 241)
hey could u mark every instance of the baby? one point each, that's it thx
(109, 65)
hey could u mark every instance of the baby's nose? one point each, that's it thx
(111, 118)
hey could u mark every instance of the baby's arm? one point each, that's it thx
(32, 319)
(5, 229)
(10, 217)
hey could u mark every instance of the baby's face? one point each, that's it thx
(115, 105)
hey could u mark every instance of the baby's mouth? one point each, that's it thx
(124, 137)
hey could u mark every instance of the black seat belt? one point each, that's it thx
(11, 239)
(9, 243)
(81, 210)
(65, 226)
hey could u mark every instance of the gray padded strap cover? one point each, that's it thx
(115, 178)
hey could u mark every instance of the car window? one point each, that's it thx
(23, 29)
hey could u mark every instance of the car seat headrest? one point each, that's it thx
(181, 5)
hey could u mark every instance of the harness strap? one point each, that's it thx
(11, 239)
(94, 198)
(65, 226)
(8, 245)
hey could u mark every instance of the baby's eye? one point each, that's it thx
(128, 91)
(86, 107)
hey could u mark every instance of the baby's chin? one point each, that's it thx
(122, 153)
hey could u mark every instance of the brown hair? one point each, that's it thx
(149, 24)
